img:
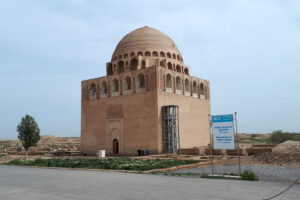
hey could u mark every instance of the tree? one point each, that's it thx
(29, 133)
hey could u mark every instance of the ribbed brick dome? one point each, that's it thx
(146, 39)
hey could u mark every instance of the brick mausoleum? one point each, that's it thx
(147, 100)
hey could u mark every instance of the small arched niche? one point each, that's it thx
(92, 91)
(127, 85)
(187, 88)
(178, 85)
(202, 91)
(103, 89)
(186, 71)
(115, 87)
(140, 82)
(195, 89)
(178, 68)
(155, 54)
(169, 55)
(169, 83)
(147, 53)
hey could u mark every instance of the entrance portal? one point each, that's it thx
(115, 146)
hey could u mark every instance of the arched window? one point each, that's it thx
(186, 71)
(154, 53)
(140, 53)
(109, 70)
(202, 91)
(147, 53)
(170, 66)
(92, 91)
(162, 54)
(178, 85)
(141, 81)
(178, 57)
(133, 64)
(126, 55)
(174, 56)
(169, 55)
(115, 87)
(103, 89)
(169, 83)
(143, 64)
(120, 56)
(127, 85)
(187, 87)
(120, 67)
(132, 54)
(178, 68)
(115, 58)
(195, 89)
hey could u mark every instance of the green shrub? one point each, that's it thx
(249, 176)
(116, 163)
(279, 136)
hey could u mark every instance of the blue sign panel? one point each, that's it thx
(223, 132)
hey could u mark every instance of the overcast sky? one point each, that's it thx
(248, 50)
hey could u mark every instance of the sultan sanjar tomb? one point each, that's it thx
(148, 100)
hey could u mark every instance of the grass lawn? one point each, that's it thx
(111, 163)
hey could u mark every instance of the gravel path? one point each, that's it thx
(265, 173)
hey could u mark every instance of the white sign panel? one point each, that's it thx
(223, 132)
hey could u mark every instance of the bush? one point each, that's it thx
(249, 176)
(116, 163)
(279, 136)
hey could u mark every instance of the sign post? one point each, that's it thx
(211, 146)
(238, 142)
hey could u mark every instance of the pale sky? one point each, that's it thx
(248, 50)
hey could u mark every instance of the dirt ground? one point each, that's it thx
(284, 154)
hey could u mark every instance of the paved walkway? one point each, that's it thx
(264, 172)
(36, 183)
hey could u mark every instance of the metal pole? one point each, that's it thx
(238, 142)
(210, 146)
(178, 129)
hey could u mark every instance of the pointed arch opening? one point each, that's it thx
(186, 71)
(178, 85)
(115, 87)
(169, 83)
(169, 55)
(140, 53)
(147, 53)
(127, 85)
(195, 89)
(178, 68)
(202, 91)
(120, 67)
(140, 82)
(155, 54)
(170, 67)
(92, 91)
(133, 64)
(187, 88)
